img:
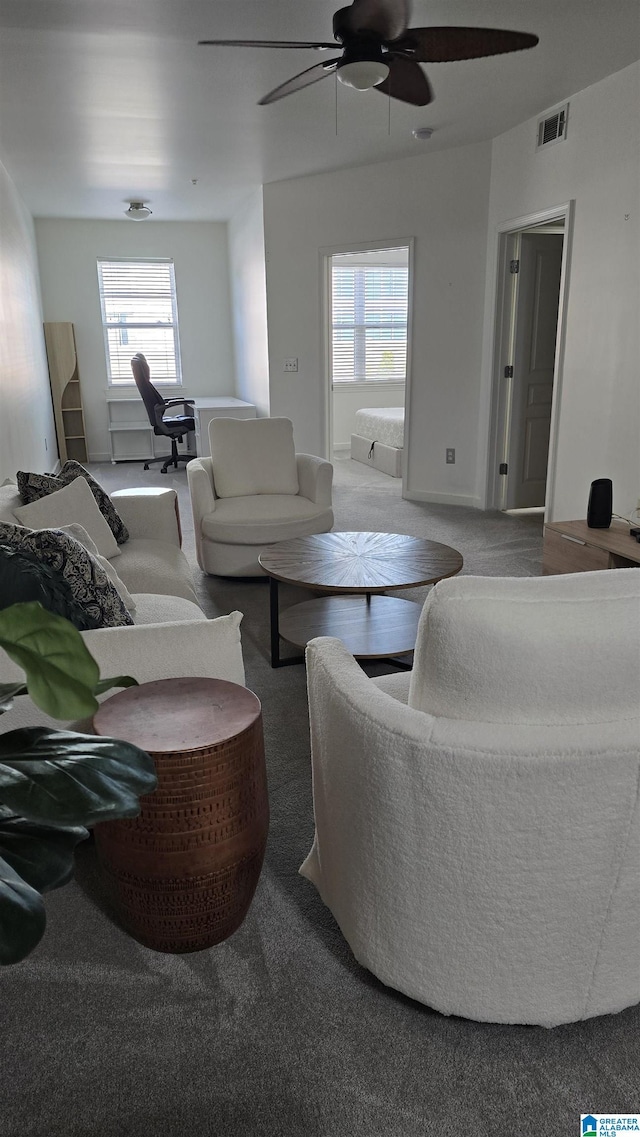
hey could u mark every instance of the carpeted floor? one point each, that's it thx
(278, 1031)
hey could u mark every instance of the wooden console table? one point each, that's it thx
(571, 546)
(183, 872)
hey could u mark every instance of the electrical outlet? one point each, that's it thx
(291, 364)
(451, 456)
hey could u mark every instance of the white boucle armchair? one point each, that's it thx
(479, 842)
(254, 490)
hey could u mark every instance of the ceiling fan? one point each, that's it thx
(380, 50)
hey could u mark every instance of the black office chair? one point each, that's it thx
(173, 426)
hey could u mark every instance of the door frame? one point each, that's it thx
(326, 253)
(507, 237)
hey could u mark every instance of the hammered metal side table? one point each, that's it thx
(183, 873)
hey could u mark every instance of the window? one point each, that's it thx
(139, 313)
(369, 305)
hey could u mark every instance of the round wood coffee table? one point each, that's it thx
(358, 567)
(183, 872)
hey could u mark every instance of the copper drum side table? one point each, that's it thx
(183, 873)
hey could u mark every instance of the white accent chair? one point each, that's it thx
(478, 821)
(254, 490)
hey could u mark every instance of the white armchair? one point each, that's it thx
(253, 491)
(479, 843)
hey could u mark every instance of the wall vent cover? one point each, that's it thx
(552, 127)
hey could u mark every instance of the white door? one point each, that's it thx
(536, 325)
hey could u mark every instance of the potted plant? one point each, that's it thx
(54, 783)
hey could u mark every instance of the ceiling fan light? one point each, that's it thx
(362, 74)
(137, 211)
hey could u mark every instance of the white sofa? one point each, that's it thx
(171, 635)
(478, 820)
(253, 491)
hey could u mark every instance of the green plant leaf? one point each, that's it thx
(41, 854)
(62, 778)
(8, 692)
(60, 671)
(118, 681)
(22, 916)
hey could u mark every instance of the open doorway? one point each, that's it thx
(532, 279)
(367, 336)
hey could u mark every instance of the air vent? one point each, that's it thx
(552, 127)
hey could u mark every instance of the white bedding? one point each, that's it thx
(381, 424)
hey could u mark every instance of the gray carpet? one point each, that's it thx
(278, 1031)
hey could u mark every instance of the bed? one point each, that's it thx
(379, 438)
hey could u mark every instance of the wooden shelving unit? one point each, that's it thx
(65, 391)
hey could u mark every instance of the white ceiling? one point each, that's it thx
(106, 100)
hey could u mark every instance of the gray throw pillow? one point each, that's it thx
(34, 486)
(87, 580)
(23, 578)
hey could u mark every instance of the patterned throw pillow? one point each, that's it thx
(79, 533)
(72, 503)
(72, 470)
(34, 486)
(87, 580)
(24, 578)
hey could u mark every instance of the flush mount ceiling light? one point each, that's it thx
(422, 133)
(137, 211)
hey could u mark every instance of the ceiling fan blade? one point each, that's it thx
(386, 19)
(304, 79)
(444, 45)
(263, 43)
(406, 81)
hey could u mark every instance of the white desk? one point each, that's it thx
(219, 407)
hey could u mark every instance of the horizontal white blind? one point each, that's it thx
(369, 323)
(139, 313)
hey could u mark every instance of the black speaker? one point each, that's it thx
(600, 504)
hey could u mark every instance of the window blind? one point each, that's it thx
(369, 322)
(139, 313)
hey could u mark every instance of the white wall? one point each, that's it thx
(67, 254)
(598, 165)
(249, 302)
(27, 430)
(440, 199)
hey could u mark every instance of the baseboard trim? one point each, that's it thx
(443, 498)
